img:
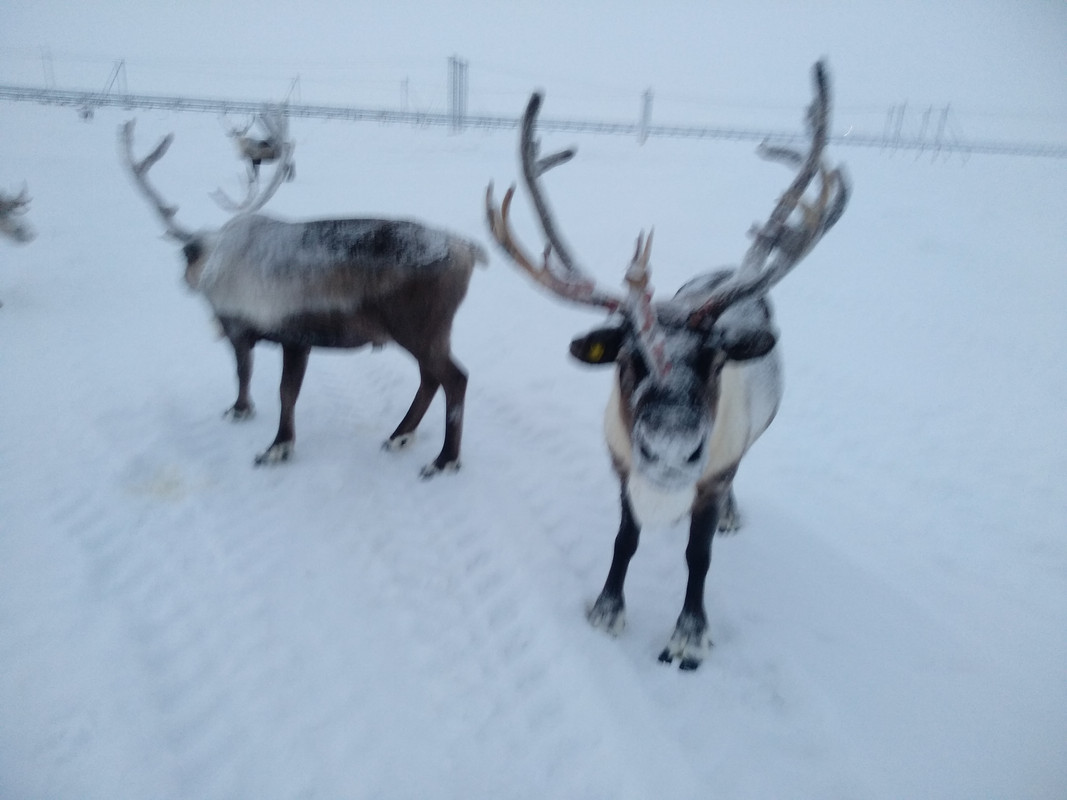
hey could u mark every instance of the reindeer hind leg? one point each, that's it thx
(405, 431)
(454, 381)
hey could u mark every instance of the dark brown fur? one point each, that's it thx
(414, 309)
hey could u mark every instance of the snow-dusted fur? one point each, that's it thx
(265, 270)
(749, 394)
(676, 441)
(343, 284)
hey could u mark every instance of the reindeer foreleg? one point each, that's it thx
(690, 641)
(609, 611)
(242, 350)
(294, 366)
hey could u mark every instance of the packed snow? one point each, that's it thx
(890, 621)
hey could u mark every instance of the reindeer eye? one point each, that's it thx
(694, 457)
(646, 453)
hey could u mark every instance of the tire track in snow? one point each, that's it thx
(734, 683)
(454, 560)
(558, 548)
(192, 612)
(524, 693)
(191, 544)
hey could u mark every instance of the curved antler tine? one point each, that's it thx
(543, 165)
(778, 246)
(533, 167)
(139, 171)
(563, 284)
(780, 153)
(647, 252)
(557, 271)
(15, 204)
(638, 273)
(22, 199)
(638, 247)
(841, 194)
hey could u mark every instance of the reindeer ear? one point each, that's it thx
(599, 346)
(749, 344)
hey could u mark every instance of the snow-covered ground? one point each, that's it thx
(174, 623)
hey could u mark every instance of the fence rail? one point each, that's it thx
(87, 101)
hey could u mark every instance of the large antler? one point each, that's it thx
(783, 244)
(276, 147)
(559, 272)
(139, 171)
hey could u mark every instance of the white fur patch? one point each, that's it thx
(748, 399)
(656, 506)
(264, 270)
(616, 435)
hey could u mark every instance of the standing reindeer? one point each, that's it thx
(697, 378)
(337, 283)
(12, 208)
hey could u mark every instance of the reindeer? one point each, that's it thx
(12, 208)
(697, 378)
(334, 283)
(257, 151)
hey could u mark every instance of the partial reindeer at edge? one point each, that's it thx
(12, 209)
(333, 283)
(698, 377)
(266, 150)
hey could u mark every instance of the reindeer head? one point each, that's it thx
(197, 246)
(670, 355)
(668, 396)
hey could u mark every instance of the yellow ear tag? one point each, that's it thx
(596, 351)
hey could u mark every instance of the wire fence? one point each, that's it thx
(85, 102)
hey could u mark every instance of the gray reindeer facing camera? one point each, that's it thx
(697, 377)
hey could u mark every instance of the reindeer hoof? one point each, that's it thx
(275, 454)
(398, 442)
(729, 516)
(729, 524)
(432, 469)
(236, 414)
(690, 643)
(608, 614)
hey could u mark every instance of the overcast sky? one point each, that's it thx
(992, 61)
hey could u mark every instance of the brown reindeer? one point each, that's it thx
(697, 377)
(336, 283)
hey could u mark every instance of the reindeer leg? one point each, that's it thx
(294, 365)
(729, 517)
(405, 431)
(242, 349)
(609, 611)
(690, 641)
(454, 382)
